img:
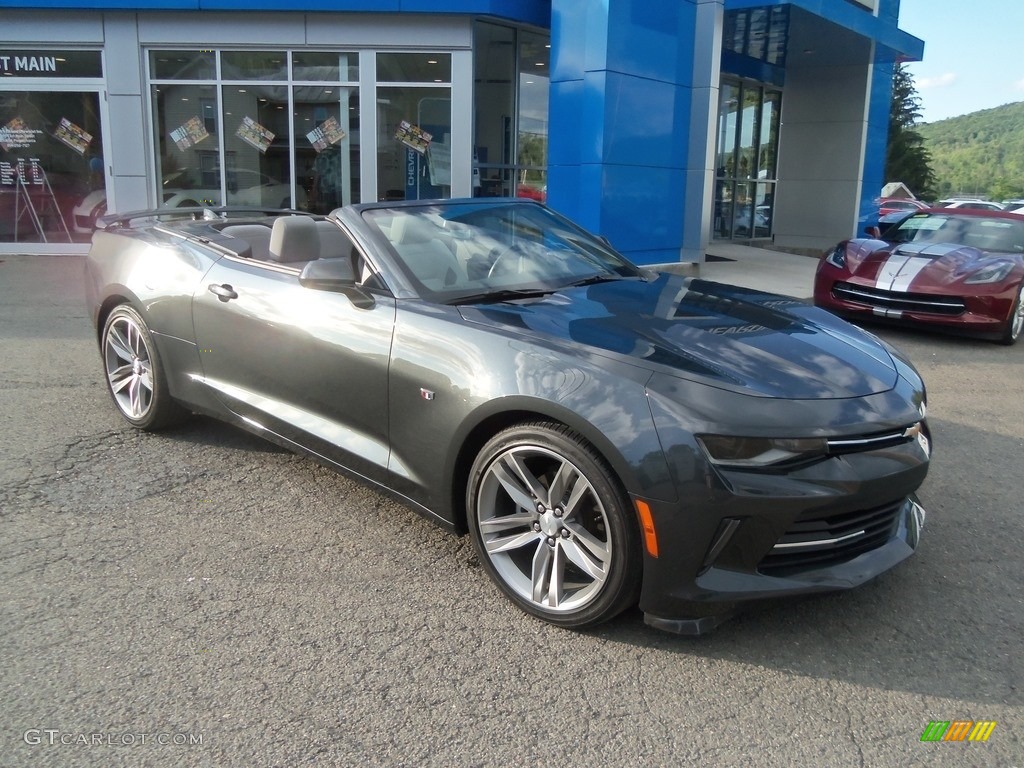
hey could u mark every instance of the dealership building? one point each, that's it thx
(663, 125)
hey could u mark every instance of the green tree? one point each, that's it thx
(907, 159)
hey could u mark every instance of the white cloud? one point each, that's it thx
(1019, 85)
(937, 82)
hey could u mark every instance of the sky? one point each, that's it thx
(972, 54)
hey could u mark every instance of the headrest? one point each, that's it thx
(294, 238)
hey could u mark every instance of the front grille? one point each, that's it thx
(828, 541)
(899, 301)
(842, 445)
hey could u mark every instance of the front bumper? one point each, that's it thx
(747, 536)
(977, 310)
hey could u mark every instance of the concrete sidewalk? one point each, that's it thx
(773, 271)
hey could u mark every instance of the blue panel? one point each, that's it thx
(536, 12)
(565, 125)
(644, 120)
(659, 43)
(563, 195)
(116, 5)
(877, 141)
(364, 6)
(569, 53)
(637, 209)
(641, 208)
(619, 129)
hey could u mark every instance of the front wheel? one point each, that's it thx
(552, 527)
(1016, 322)
(135, 377)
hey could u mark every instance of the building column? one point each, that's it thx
(634, 103)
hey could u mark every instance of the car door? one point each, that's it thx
(306, 364)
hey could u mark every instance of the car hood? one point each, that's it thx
(762, 344)
(909, 266)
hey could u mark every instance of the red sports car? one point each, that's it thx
(889, 205)
(953, 269)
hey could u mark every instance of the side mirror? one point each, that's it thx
(335, 276)
(874, 232)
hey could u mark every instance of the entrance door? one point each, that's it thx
(748, 129)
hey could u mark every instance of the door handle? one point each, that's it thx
(223, 292)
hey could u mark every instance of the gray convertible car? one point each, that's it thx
(609, 436)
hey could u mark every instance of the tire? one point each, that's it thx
(134, 373)
(572, 557)
(1015, 324)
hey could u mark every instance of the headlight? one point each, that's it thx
(838, 257)
(993, 273)
(759, 452)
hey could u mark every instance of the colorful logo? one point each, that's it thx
(958, 730)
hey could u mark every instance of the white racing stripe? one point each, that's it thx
(906, 263)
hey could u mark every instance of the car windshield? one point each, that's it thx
(464, 252)
(999, 235)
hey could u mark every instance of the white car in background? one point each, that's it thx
(245, 187)
(974, 205)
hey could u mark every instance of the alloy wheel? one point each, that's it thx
(128, 362)
(544, 528)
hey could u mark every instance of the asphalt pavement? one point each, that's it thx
(199, 597)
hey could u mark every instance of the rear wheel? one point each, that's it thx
(1016, 322)
(552, 526)
(135, 376)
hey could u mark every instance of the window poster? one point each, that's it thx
(254, 134)
(73, 136)
(413, 136)
(17, 135)
(325, 134)
(190, 132)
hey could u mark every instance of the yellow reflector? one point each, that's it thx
(647, 523)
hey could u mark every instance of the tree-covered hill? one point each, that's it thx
(980, 154)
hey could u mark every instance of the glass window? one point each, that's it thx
(746, 160)
(187, 141)
(767, 158)
(494, 96)
(532, 147)
(510, 150)
(249, 139)
(746, 156)
(728, 110)
(414, 68)
(51, 166)
(182, 65)
(316, 66)
(327, 145)
(414, 143)
(254, 65)
(257, 132)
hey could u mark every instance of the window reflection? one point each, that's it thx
(248, 138)
(511, 71)
(51, 166)
(746, 160)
